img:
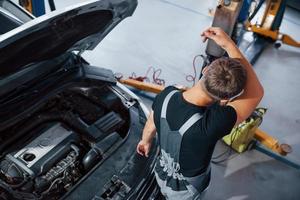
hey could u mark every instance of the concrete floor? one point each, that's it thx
(165, 34)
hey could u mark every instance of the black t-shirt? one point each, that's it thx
(199, 141)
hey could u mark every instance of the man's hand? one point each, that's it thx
(143, 148)
(149, 131)
(217, 35)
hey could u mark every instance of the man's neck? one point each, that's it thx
(197, 96)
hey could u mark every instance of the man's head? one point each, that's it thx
(224, 78)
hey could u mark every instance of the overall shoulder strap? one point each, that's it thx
(166, 102)
(189, 123)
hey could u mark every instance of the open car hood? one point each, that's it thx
(76, 28)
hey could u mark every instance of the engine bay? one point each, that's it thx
(44, 155)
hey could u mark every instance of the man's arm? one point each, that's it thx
(149, 131)
(253, 91)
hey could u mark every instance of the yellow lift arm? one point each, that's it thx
(264, 28)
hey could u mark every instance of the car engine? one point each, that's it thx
(51, 156)
(60, 143)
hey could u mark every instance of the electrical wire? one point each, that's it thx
(46, 192)
(192, 77)
(155, 76)
(157, 72)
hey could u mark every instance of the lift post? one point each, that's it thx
(270, 23)
(36, 7)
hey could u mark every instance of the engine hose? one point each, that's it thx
(76, 150)
(68, 118)
(47, 181)
(91, 158)
(15, 194)
(6, 188)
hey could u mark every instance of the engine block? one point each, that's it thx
(42, 153)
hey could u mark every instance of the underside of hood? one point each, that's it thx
(77, 28)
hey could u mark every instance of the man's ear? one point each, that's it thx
(204, 70)
(223, 102)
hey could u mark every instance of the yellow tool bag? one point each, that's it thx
(242, 135)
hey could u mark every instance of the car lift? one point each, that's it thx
(226, 15)
(265, 31)
(270, 23)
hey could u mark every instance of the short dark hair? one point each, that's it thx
(225, 78)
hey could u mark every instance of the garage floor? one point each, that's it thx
(165, 34)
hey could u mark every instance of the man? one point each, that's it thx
(190, 123)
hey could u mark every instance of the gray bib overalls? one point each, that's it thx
(172, 183)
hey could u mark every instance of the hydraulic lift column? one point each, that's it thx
(36, 7)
